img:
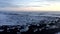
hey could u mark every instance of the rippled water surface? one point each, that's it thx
(20, 18)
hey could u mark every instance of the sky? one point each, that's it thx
(30, 5)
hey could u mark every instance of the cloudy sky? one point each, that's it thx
(30, 5)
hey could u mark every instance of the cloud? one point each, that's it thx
(25, 3)
(4, 3)
(30, 3)
(7, 3)
(18, 4)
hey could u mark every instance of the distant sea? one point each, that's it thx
(22, 18)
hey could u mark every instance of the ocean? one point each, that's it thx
(41, 21)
